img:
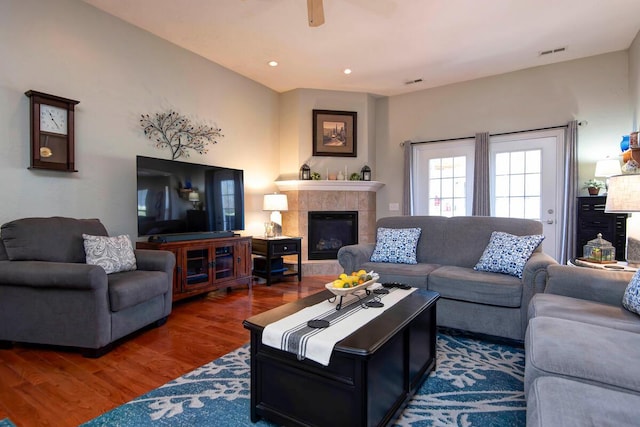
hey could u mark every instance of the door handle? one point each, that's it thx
(550, 221)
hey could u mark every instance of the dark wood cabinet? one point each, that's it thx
(371, 376)
(268, 253)
(592, 219)
(206, 265)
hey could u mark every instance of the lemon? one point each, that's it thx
(338, 283)
(361, 272)
(343, 276)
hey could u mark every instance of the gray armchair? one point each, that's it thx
(50, 295)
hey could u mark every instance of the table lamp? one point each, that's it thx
(606, 168)
(275, 203)
(624, 197)
(194, 198)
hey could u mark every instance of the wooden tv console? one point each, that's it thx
(206, 265)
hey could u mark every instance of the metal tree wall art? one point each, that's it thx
(176, 132)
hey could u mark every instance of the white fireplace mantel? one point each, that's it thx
(329, 185)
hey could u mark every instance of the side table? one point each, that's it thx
(618, 266)
(269, 251)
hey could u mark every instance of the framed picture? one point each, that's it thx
(334, 133)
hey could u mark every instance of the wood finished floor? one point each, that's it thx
(44, 386)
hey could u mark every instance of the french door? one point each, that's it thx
(524, 176)
(526, 180)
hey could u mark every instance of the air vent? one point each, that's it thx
(552, 51)
(412, 82)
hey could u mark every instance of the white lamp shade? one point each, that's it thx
(624, 194)
(194, 196)
(607, 167)
(275, 202)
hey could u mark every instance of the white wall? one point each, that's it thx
(594, 89)
(634, 81)
(296, 128)
(118, 72)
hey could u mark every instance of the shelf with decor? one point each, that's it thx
(329, 185)
(592, 219)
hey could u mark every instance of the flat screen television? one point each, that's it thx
(179, 197)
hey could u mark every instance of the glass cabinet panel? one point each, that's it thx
(224, 262)
(197, 266)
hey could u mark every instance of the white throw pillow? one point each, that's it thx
(507, 253)
(114, 254)
(396, 245)
(631, 298)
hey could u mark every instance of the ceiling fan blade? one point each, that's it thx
(315, 12)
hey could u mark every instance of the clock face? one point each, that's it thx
(53, 119)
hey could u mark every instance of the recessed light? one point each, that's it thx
(273, 63)
(347, 71)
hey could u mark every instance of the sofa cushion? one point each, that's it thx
(507, 253)
(596, 313)
(560, 402)
(631, 298)
(396, 245)
(55, 239)
(3, 252)
(410, 274)
(582, 352)
(113, 254)
(465, 284)
(130, 288)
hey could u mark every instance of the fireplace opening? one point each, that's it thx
(329, 231)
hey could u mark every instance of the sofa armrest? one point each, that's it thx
(152, 260)
(534, 274)
(351, 257)
(588, 283)
(44, 274)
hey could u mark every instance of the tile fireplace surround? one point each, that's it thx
(305, 196)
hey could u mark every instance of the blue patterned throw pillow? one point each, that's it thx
(396, 245)
(507, 253)
(631, 298)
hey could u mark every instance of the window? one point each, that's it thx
(517, 184)
(447, 186)
(227, 191)
(443, 176)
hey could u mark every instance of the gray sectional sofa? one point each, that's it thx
(447, 250)
(582, 349)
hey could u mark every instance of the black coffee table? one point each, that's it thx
(372, 374)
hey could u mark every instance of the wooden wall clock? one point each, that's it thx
(52, 132)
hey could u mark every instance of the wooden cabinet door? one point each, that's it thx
(196, 266)
(243, 258)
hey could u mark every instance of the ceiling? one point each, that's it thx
(386, 43)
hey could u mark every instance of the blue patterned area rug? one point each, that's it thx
(475, 383)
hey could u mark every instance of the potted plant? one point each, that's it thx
(594, 186)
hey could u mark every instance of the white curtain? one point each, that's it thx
(568, 220)
(407, 200)
(481, 191)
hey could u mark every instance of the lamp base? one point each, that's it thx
(633, 252)
(276, 222)
(268, 229)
